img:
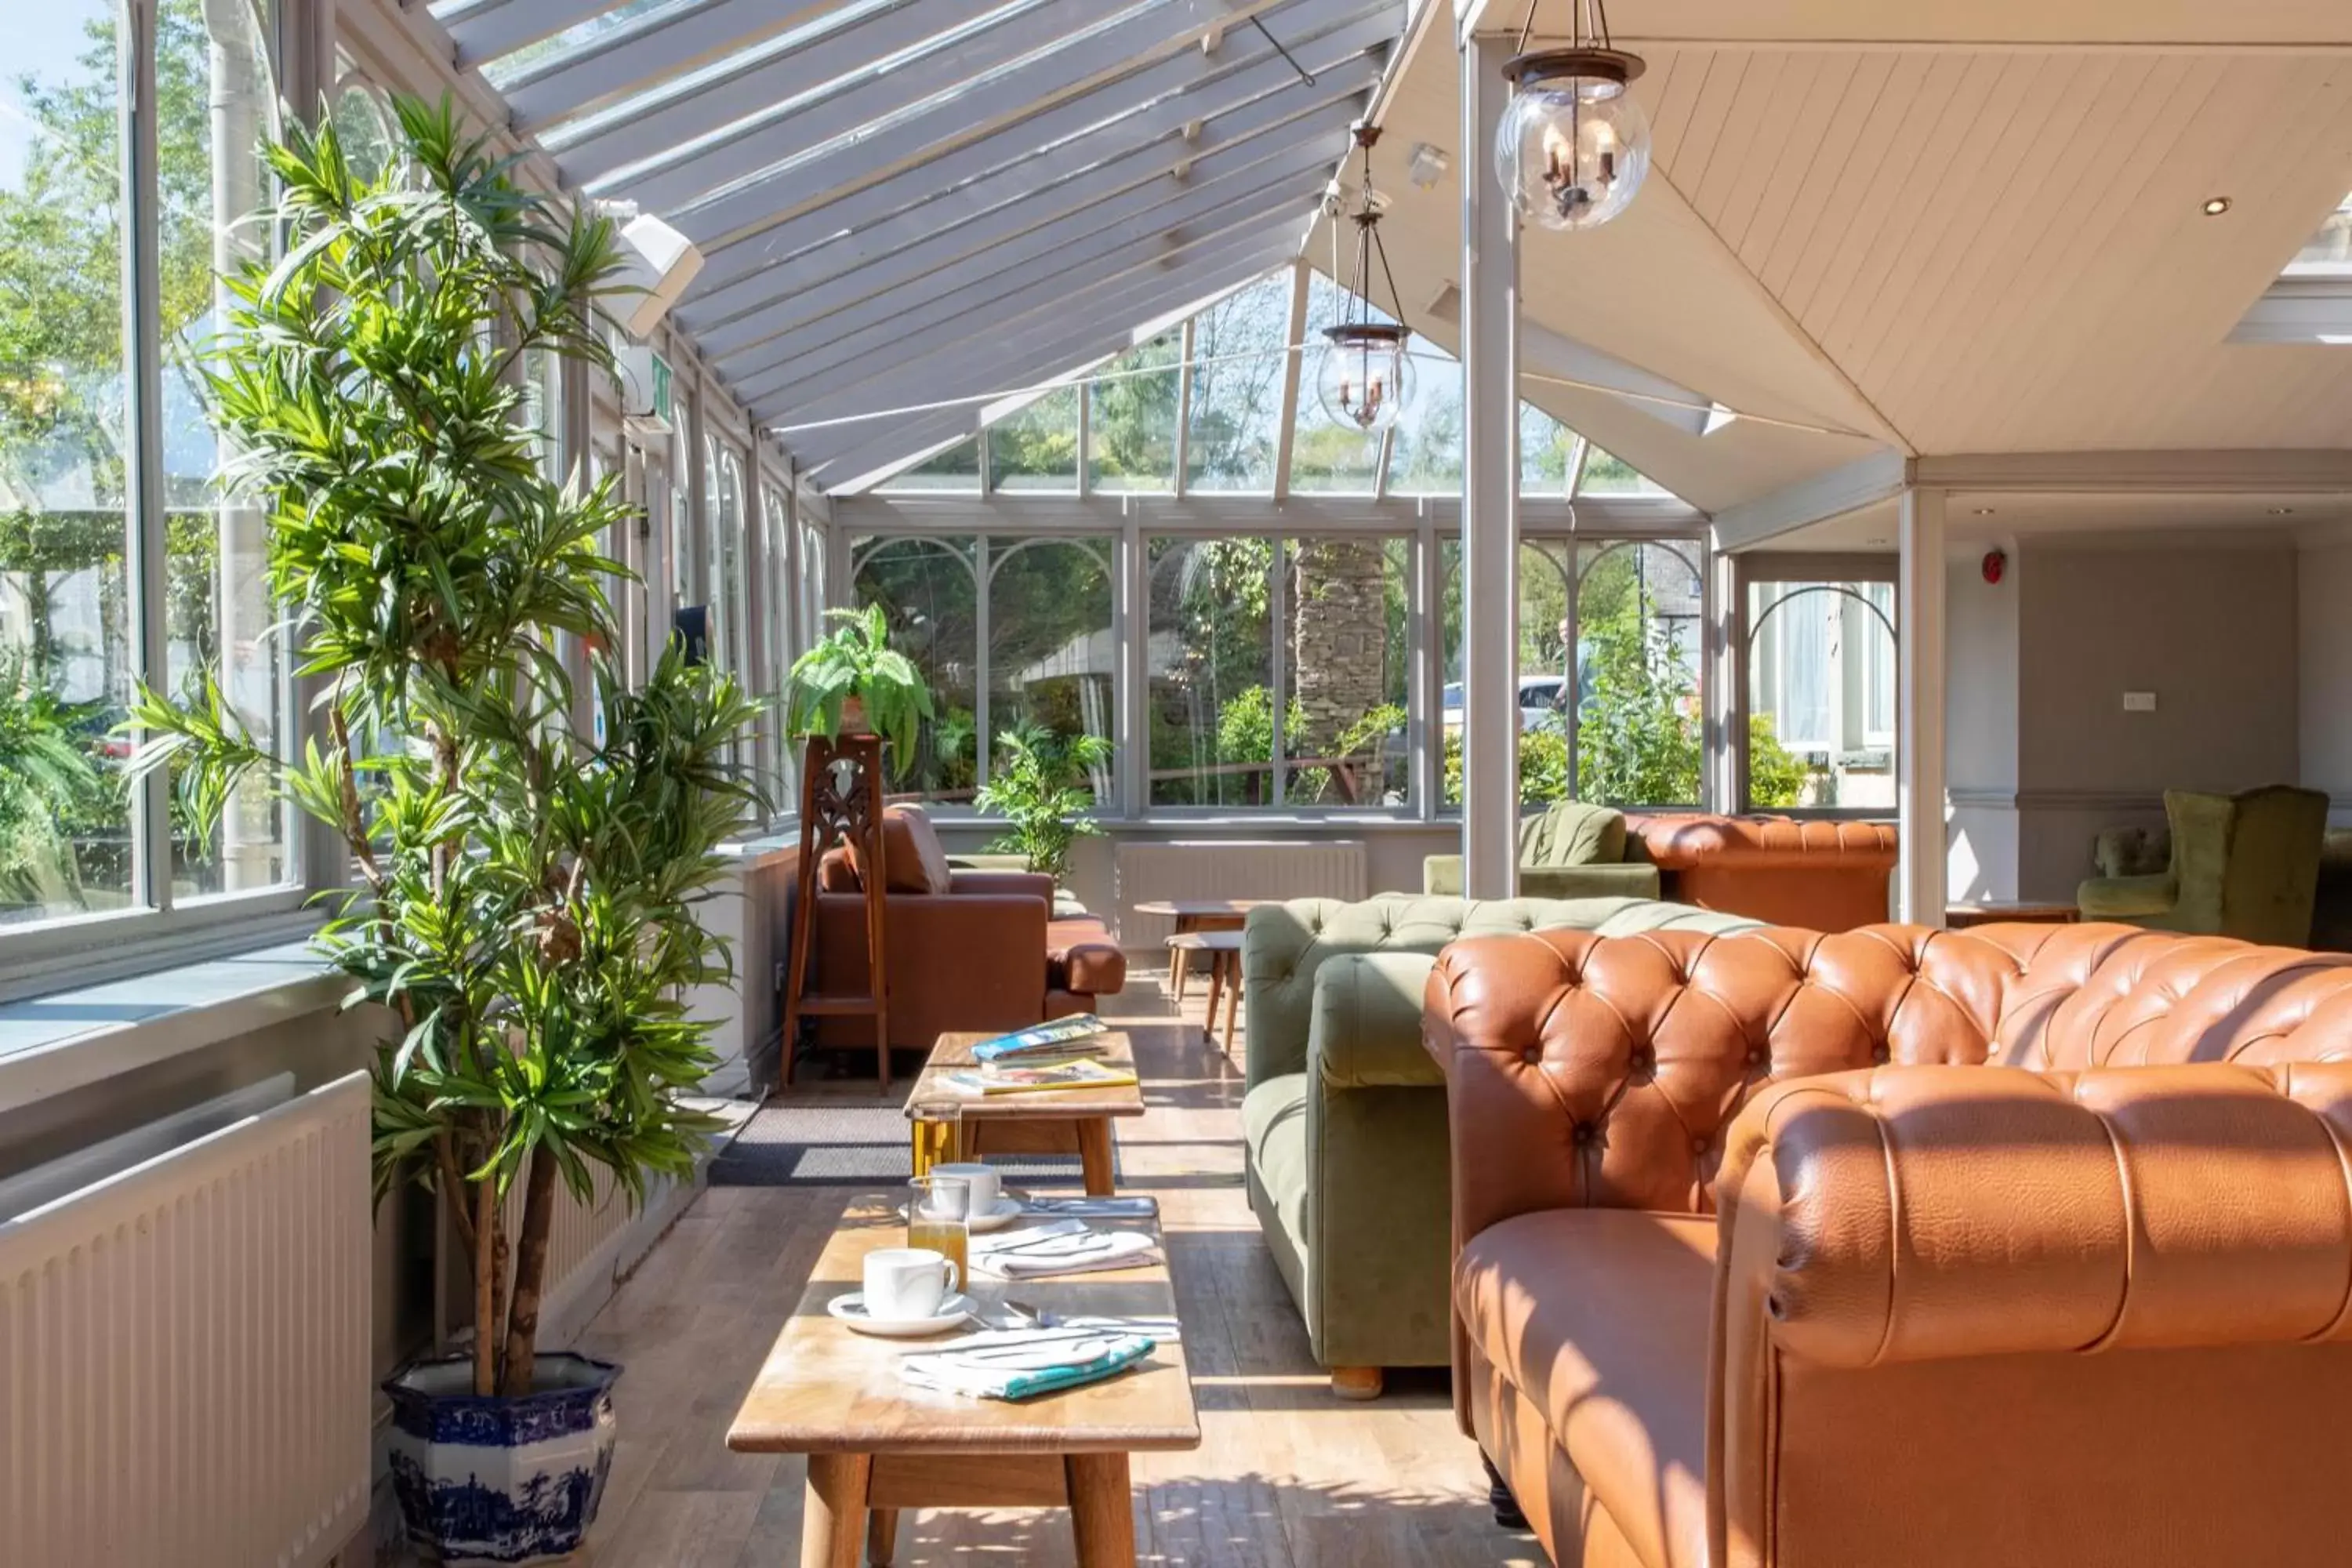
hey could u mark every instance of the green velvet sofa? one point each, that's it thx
(1343, 1121)
(1568, 850)
(2245, 866)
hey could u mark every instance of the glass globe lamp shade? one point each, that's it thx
(1573, 147)
(1365, 375)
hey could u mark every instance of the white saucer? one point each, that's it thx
(1005, 1210)
(954, 1314)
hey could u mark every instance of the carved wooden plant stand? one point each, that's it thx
(841, 803)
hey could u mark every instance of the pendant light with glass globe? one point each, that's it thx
(1573, 147)
(1365, 374)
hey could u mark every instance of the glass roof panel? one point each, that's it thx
(1606, 476)
(2328, 253)
(1131, 418)
(1238, 359)
(507, 67)
(1323, 456)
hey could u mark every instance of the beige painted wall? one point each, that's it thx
(2210, 629)
(2324, 630)
(1980, 724)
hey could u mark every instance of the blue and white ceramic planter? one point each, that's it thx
(483, 1480)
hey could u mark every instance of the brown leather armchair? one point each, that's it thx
(1819, 874)
(968, 950)
(2027, 1245)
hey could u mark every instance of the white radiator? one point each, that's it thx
(1230, 869)
(184, 1352)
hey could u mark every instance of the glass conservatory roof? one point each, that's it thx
(1210, 396)
(905, 203)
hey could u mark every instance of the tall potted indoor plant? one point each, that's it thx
(528, 910)
(851, 682)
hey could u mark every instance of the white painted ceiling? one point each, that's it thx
(1948, 227)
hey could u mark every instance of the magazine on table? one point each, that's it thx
(1061, 1038)
(1082, 1074)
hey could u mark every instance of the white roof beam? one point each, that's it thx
(997, 301)
(904, 248)
(741, 185)
(1865, 481)
(1244, 192)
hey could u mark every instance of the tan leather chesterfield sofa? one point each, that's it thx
(1758, 1262)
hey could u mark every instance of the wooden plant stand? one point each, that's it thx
(841, 803)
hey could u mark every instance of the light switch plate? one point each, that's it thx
(2139, 701)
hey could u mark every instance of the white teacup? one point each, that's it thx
(982, 1186)
(907, 1283)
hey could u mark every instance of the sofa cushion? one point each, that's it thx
(1572, 833)
(913, 861)
(1080, 956)
(1273, 1141)
(1600, 1319)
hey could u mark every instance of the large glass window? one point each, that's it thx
(930, 588)
(1346, 603)
(775, 544)
(71, 563)
(65, 826)
(1324, 456)
(1131, 418)
(1239, 358)
(1209, 661)
(1036, 448)
(1052, 662)
(1821, 694)
(731, 631)
(1609, 695)
(956, 468)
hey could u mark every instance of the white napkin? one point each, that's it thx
(1062, 1246)
(1017, 1363)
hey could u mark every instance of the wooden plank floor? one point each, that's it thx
(1285, 1475)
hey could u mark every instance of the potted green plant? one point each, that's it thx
(529, 912)
(854, 682)
(1043, 792)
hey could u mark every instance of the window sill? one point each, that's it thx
(67, 1040)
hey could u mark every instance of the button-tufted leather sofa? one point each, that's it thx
(968, 950)
(1821, 875)
(1758, 1262)
(1344, 1121)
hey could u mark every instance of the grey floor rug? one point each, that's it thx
(829, 1143)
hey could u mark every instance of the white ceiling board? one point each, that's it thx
(1976, 520)
(1830, 22)
(1990, 241)
(1655, 289)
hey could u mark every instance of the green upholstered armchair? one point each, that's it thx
(1344, 1124)
(2245, 866)
(1568, 850)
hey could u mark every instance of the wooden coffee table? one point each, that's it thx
(877, 1445)
(948, 1126)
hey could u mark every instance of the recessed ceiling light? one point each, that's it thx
(2216, 205)
(2282, 511)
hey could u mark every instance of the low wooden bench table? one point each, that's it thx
(877, 1445)
(1224, 951)
(1197, 915)
(948, 1126)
